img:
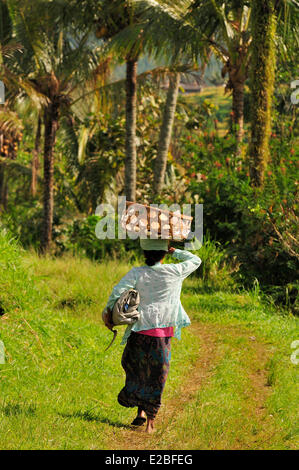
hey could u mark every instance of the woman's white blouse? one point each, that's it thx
(159, 287)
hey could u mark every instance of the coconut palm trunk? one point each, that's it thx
(131, 100)
(35, 159)
(264, 24)
(165, 132)
(51, 126)
(238, 113)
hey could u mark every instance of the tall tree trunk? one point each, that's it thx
(238, 113)
(262, 85)
(131, 100)
(35, 159)
(51, 126)
(165, 132)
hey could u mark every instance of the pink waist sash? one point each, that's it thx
(158, 332)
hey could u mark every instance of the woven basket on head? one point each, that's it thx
(150, 221)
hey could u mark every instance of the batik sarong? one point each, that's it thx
(146, 363)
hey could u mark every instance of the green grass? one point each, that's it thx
(58, 387)
(242, 320)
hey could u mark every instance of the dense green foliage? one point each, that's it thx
(203, 168)
(255, 229)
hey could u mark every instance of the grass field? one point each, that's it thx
(232, 384)
(221, 100)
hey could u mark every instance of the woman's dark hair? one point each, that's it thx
(152, 256)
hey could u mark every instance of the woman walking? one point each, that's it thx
(147, 353)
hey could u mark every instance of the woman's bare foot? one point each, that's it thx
(141, 413)
(140, 418)
(150, 426)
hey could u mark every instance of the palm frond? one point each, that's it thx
(10, 122)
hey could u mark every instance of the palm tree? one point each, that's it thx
(54, 62)
(135, 27)
(36, 154)
(244, 35)
(197, 27)
(224, 28)
(165, 132)
(264, 31)
(115, 18)
(202, 26)
(131, 153)
(238, 32)
(264, 24)
(128, 26)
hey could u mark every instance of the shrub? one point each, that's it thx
(80, 238)
(216, 271)
(256, 226)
